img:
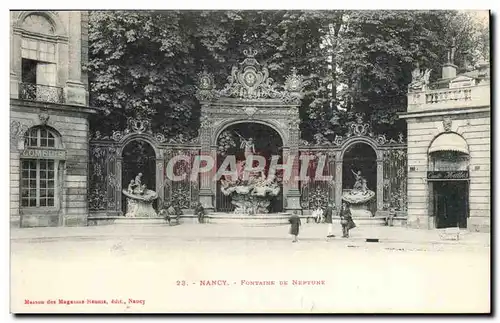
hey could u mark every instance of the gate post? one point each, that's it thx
(338, 181)
(293, 192)
(380, 184)
(206, 193)
(160, 180)
(118, 192)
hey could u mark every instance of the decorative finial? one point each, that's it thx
(250, 52)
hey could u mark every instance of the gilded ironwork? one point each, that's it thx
(206, 87)
(17, 131)
(250, 81)
(358, 128)
(42, 93)
(395, 179)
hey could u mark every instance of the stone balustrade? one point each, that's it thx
(472, 96)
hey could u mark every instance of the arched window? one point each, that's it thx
(39, 60)
(41, 137)
(39, 24)
(39, 174)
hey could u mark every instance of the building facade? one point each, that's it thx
(49, 113)
(449, 152)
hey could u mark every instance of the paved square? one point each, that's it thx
(222, 268)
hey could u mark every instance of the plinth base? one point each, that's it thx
(360, 211)
(269, 219)
(121, 220)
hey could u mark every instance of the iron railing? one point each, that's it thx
(41, 93)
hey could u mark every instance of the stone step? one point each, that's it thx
(248, 220)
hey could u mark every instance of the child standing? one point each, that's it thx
(294, 226)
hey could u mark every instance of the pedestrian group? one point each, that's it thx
(326, 215)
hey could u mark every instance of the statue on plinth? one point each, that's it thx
(139, 199)
(360, 186)
(248, 145)
(359, 196)
(419, 79)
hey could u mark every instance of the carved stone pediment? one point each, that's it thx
(249, 80)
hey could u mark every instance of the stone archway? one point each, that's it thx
(138, 157)
(268, 142)
(360, 134)
(139, 130)
(250, 96)
(362, 157)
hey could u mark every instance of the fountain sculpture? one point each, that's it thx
(359, 196)
(251, 195)
(140, 200)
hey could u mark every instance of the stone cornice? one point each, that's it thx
(441, 112)
(30, 34)
(265, 103)
(17, 103)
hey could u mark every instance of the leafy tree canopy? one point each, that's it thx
(145, 63)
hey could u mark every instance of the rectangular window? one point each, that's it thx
(38, 50)
(38, 183)
(46, 74)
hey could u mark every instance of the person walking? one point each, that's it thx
(346, 220)
(295, 224)
(329, 219)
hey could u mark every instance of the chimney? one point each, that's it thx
(449, 71)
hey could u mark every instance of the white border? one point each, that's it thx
(185, 4)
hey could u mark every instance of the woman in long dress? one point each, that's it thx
(295, 224)
(346, 220)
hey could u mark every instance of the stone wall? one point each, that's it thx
(73, 128)
(475, 129)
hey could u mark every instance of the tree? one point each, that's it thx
(145, 63)
(140, 65)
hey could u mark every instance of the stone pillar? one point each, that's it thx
(293, 192)
(15, 63)
(338, 182)
(380, 186)
(74, 91)
(119, 162)
(160, 163)
(213, 173)
(206, 193)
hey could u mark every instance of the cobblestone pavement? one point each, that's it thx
(166, 267)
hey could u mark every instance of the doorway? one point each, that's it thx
(451, 203)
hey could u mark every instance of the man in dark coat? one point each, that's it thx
(294, 226)
(200, 212)
(346, 220)
(329, 219)
(167, 212)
